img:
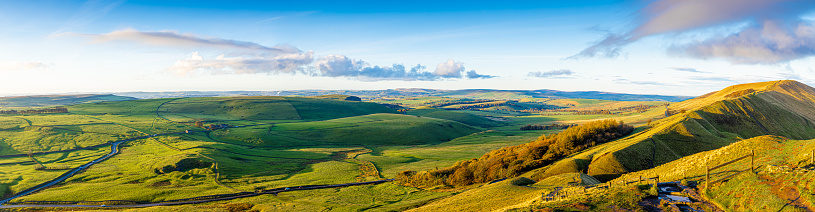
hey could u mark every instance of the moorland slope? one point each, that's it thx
(711, 121)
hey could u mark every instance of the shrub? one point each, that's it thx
(654, 191)
(522, 181)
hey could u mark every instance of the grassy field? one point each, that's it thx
(286, 141)
(367, 130)
(490, 197)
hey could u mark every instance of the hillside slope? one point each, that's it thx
(782, 108)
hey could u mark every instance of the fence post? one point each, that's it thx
(707, 177)
(656, 183)
(752, 161)
(640, 182)
(812, 157)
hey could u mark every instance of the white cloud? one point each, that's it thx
(15, 66)
(338, 65)
(342, 66)
(449, 69)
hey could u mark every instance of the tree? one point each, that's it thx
(199, 124)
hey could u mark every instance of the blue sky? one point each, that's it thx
(673, 47)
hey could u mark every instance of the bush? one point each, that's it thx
(522, 181)
(683, 182)
(654, 191)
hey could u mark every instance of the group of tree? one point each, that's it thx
(547, 127)
(36, 111)
(515, 160)
(479, 105)
(638, 108)
(445, 103)
(595, 112)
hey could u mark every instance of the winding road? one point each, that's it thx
(114, 149)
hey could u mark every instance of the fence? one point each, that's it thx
(752, 157)
(569, 192)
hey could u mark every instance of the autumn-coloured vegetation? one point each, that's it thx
(515, 160)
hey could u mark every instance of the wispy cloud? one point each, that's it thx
(550, 74)
(283, 63)
(473, 75)
(89, 12)
(769, 42)
(638, 82)
(714, 79)
(246, 57)
(777, 33)
(175, 39)
(686, 69)
(16, 66)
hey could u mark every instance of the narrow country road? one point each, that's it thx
(114, 149)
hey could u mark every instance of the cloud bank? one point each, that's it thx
(252, 58)
(776, 32)
(551, 74)
(342, 66)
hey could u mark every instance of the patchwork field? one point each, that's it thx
(221, 145)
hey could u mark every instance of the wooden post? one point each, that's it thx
(752, 160)
(812, 157)
(707, 177)
(640, 182)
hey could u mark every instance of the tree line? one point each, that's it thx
(515, 160)
(547, 127)
(36, 111)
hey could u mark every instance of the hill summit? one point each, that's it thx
(782, 108)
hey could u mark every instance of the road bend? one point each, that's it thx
(114, 149)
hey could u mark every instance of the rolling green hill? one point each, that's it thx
(366, 130)
(782, 108)
(466, 118)
(264, 109)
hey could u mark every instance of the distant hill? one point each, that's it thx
(416, 92)
(781, 108)
(57, 100)
(555, 94)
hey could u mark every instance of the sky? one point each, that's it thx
(667, 47)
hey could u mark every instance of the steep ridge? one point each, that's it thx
(711, 121)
